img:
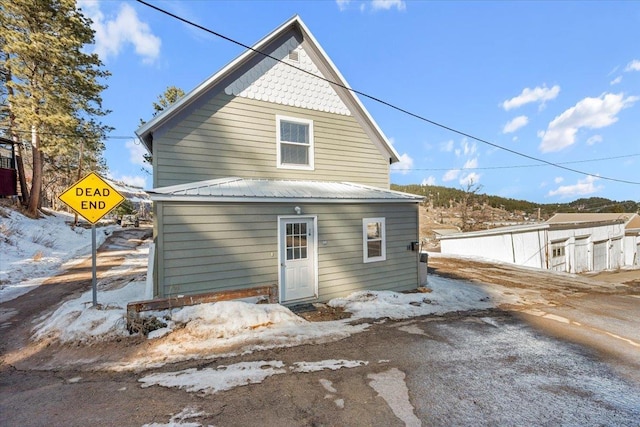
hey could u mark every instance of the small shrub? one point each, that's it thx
(144, 325)
(44, 239)
(9, 229)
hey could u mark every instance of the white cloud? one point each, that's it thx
(342, 4)
(134, 181)
(558, 179)
(404, 166)
(591, 113)
(469, 179)
(388, 4)
(112, 34)
(594, 140)
(581, 188)
(539, 94)
(515, 124)
(468, 149)
(616, 81)
(471, 164)
(431, 180)
(450, 175)
(447, 146)
(633, 65)
(136, 152)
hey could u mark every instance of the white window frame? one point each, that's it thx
(365, 240)
(297, 120)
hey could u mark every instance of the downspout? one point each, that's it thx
(513, 249)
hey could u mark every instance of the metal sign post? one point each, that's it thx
(92, 198)
(94, 250)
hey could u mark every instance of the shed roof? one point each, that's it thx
(278, 191)
(145, 132)
(496, 231)
(631, 220)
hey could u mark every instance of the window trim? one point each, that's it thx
(279, 164)
(365, 240)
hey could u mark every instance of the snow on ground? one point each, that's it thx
(229, 328)
(32, 250)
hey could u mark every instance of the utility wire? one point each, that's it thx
(599, 159)
(625, 156)
(381, 101)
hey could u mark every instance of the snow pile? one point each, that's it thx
(447, 295)
(212, 380)
(180, 419)
(78, 321)
(32, 250)
(233, 327)
(226, 377)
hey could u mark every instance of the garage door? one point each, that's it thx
(616, 254)
(600, 256)
(582, 255)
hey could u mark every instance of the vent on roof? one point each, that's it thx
(294, 56)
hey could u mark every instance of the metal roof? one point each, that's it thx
(523, 228)
(262, 190)
(631, 220)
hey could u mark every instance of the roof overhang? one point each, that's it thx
(238, 190)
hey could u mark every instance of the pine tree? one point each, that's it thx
(170, 95)
(53, 86)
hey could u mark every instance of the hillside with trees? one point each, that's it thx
(446, 210)
(445, 197)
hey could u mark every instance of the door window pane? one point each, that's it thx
(296, 240)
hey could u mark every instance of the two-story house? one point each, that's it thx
(273, 172)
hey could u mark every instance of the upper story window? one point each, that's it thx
(374, 239)
(295, 143)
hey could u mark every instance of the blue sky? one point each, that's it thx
(558, 81)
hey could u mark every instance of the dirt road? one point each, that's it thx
(597, 310)
(19, 313)
(511, 365)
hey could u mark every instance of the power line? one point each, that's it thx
(381, 101)
(600, 159)
(626, 156)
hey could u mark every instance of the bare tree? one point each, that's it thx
(469, 198)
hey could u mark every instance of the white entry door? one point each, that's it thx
(297, 259)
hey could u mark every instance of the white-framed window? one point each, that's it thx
(295, 143)
(374, 239)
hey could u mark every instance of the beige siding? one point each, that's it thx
(208, 247)
(232, 136)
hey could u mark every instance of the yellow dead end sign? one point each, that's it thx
(92, 197)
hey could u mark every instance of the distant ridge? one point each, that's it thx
(443, 196)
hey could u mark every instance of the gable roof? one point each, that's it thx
(279, 191)
(631, 220)
(145, 132)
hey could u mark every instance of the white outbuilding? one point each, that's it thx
(571, 243)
